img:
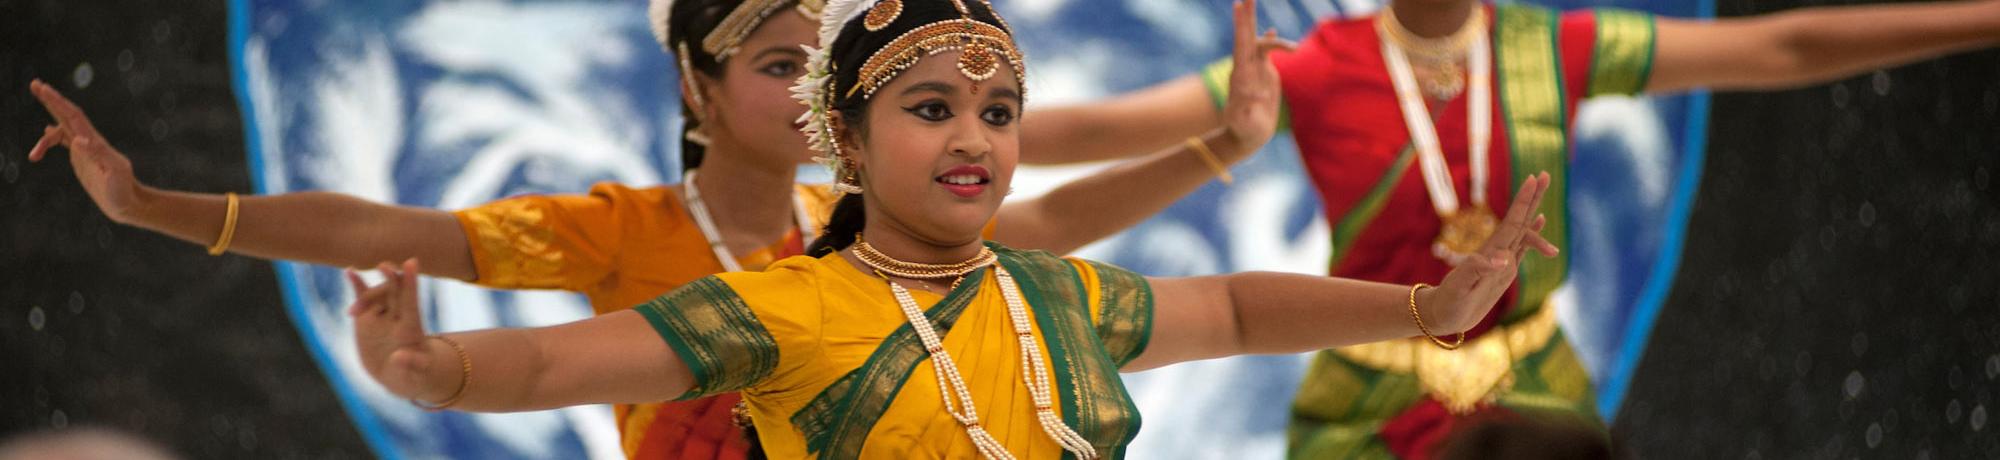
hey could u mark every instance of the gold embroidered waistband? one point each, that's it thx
(1463, 378)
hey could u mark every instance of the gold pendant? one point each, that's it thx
(1442, 80)
(1465, 231)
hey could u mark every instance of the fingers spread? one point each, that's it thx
(62, 109)
(51, 137)
(1542, 246)
(360, 287)
(370, 302)
(1509, 232)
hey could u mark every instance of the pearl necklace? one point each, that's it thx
(953, 384)
(1464, 229)
(702, 221)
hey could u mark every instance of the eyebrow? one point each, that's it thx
(943, 88)
(778, 49)
(931, 86)
(1006, 93)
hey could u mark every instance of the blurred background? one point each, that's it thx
(1798, 274)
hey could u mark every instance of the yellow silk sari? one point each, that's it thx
(832, 369)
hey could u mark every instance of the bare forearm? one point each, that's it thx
(317, 227)
(1815, 45)
(1145, 121)
(1263, 313)
(1114, 199)
(605, 360)
(1290, 313)
(504, 376)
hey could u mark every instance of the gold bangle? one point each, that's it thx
(1200, 149)
(1426, 329)
(464, 380)
(228, 228)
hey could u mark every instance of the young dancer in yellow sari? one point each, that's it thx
(907, 336)
(621, 245)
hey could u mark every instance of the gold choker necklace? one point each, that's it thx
(1440, 58)
(919, 271)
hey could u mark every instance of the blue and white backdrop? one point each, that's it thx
(449, 104)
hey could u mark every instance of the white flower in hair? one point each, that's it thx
(658, 12)
(812, 89)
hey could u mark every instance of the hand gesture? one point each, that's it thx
(389, 333)
(1251, 114)
(105, 174)
(1471, 289)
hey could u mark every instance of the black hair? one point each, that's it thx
(689, 23)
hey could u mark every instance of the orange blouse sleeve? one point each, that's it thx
(567, 242)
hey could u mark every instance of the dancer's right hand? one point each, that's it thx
(1251, 114)
(389, 333)
(105, 174)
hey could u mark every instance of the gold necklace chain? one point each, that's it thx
(1447, 48)
(919, 271)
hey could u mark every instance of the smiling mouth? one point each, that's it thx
(965, 181)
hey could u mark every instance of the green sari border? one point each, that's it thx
(1622, 54)
(1124, 312)
(716, 334)
(1532, 99)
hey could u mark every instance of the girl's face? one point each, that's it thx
(751, 105)
(936, 157)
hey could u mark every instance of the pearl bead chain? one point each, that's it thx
(952, 383)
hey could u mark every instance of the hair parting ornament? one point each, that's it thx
(921, 29)
(729, 34)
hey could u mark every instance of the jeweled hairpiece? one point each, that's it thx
(982, 48)
(728, 35)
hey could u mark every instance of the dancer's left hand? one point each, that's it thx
(389, 333)
(1471, 290)
(1251, 114)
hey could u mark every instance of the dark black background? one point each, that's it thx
(141, 332)
(1836, 298)
(1838, 295)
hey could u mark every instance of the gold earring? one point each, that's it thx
(848, 178)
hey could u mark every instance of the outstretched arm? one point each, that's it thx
(318, 227)
(1159, 117)
(1252, 313)
(1813, 45)
(1117, 198)
(613, 358)
(1146, 120)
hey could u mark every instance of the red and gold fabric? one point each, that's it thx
(1401, 397)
